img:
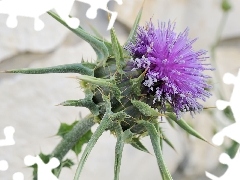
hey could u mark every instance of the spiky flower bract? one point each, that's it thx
(174, 71)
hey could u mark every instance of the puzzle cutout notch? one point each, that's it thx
(9, 141)
(36, 8)
(3, 165)
(8, 132)
(230, 131)
(44, 170)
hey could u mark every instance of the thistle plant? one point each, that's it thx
(130, 89)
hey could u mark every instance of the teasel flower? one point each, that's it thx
(156, 73)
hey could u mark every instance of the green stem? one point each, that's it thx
(219, 90)
(155, 139)
(213, 51)
(104, 124)
(71, 138)
(118, 150)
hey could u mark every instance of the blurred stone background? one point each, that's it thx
(27, 102)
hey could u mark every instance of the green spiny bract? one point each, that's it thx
(112, 77)
(117, 99)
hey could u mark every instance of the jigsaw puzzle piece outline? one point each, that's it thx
(63, 9)
(33, 9)
(36, 8)
(3, 165)
(9, 140)
(234, 101)
(230, 131)
(44, 170)
(18, 176)
(101, 4)
(233, 167)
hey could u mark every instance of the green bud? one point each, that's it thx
(226, 6)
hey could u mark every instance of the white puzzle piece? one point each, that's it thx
(36, 8)
(8, 132)
(44, 170)
(3, 165)
(100, 4)
(231, 131)
(232, 172)
(18, 176)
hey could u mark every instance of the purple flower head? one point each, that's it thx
(174, 71)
